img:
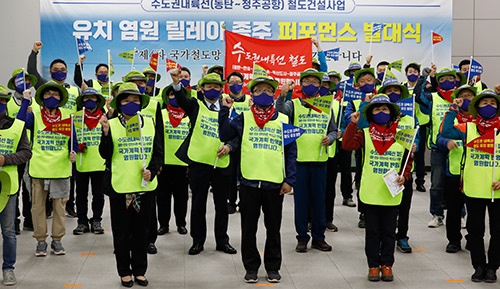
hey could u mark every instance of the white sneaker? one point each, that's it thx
(435, 222)
(464, 223)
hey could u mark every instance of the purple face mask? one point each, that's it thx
(394, 97)
(185, 82)
(447, 85)
(263, 100)
(412, 77)
(310, 90)
(324, 91)
(130, 108)
(465, 104)
(381, 118)
(236, 88)
(51, 102)
(89, 103)
(487, 112)
(212, 94)
(59, 75)
(367, 88)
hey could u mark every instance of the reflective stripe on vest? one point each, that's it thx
(262, 152)
(315, 125)
(173, 138)
(439, 108)
(91, 160)
(127, 158)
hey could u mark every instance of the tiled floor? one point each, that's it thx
(89, 262)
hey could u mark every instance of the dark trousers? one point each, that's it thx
(404, 211)
(71, 201)
(454, 210)
(25, 196)
(380, 234)
(235, 167)
(419, 155)
(358, 157)
(153, 219)
(201, 177)
(82, 189)
(309, 192)
(331, 179)
(344, 166)
(130, 235)
(252, 200)
(476, 211)
(172, 182)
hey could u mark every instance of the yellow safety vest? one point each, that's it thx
(173, 138)
(9, 140)
(70, 106)
(91, 160)
(439, 108)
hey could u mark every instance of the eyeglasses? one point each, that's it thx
(260, 91)
(307, 81)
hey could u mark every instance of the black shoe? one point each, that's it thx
(17, 227)
(141, 282)
(81, 229)
(162, 230)
(182, 230)
(28, 225)
(478, 275)
(231, 209)
(331, 227)
(421, 188)
(361, 223)
(70, 212)
(226, 248)
(251, 277)
(195, 249)
(348, 202)
(96, 227)
(321, 245)
(127, 283)
(301, 247)
(490, 276)
(453, 247)
(273, 277)
(152, 249)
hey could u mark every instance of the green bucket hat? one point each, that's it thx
(394, 82)
(334, 73)
(446, 71)
(462, 88)
(312, 72)
(90, 91)
(263, 79)
(150, 70)
(217, 66)
(164, 92)
(485, 93)
(358, 73)
(51, 84)
(352, 66)
(4, 93)
(126, 89)
(116, 86)
(326, 78)
(463, 78)
(378, 100)
(134, 75)
(15, 73)
(211, 78)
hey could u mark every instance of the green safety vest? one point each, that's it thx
(150, 110)
(173, 138)
(205, 141)
(406, 122)
(373, 190)
(478, 168)
(91, 160)
(439, 108)
(127, 158)
(336, 110)
(13, 108)
(9, 140)
(422, 117)
(70, 106)
(479, 86)
(455, 157)
(50, 157)
(97, 86)
(262, 150)
(315, 125)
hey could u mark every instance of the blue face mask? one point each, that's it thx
(367, 88)
(457, 83)
(20, 87)
(236, 88)
(3, 107)
(173, 102)
(185, 82)
(150, 82)
(102, 77)
(51, 102)
(394, 97)
(59, 75)
(412, 77)
(310, 90)
(130, 108)
(465, 104)
(380, 75)
(487, 112)
(381, 118)
(324, 91)
(142, 89)
(90, 104)
(447, 85)
(263, 100)
(212, 94)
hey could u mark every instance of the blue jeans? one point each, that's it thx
(7, 218)
(438, 176)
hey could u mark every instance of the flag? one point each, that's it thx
(62, 127)
(405, 137)
(132, 126)
(83, 45)
(377, 27)
(153, 62)
(456, 68)
(475, 68)
(333, 53)
(398, 65)
(128, 55)
(291, 133)
(436, 38)
(172, 64)
(484, 143)
(352, 93)
(324, 103)
(20, 81)
(234, 114)
(78, 118)
(406, 106)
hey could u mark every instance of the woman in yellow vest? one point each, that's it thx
(267, 172)
(132, 163)
(380, 153)
(481, 180)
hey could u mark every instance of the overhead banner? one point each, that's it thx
(191, 32)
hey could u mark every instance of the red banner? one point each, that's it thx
(436, 38)
(484, 143)
(153, 62)
(170, 64)
(62, 127)
(282, 59)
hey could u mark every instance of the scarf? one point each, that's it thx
(464, 117)
(92, 118)
(382, 137)
(445, 94)
(175, 115)
(485, 126)
(48, 118)
(262, 116)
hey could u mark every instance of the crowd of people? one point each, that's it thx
(197, 138)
